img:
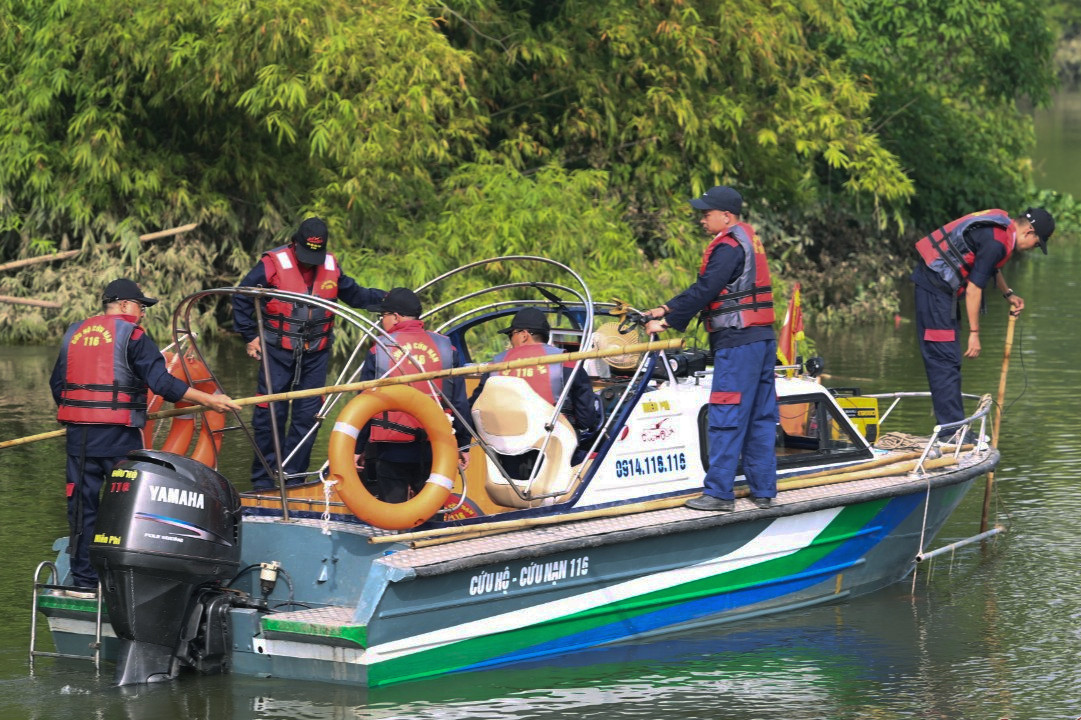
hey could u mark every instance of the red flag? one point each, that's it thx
(791, 330)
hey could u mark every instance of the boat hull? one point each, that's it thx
(384, 613)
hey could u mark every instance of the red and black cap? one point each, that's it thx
(124, 289)
(1042, 223)
(310, 241)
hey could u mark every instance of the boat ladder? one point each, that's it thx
(52, 585)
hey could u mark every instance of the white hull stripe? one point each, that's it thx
(782, 537)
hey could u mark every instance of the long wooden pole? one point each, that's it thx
(898, 468)
(72, 253)
(998, 418)
(30, 301)
(673, 344)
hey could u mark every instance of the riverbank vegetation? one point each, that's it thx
(431, 136)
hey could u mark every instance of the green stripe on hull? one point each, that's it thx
(350, 634)
(848, 523)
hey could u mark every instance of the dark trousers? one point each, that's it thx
(287, 373)
(396, 479)
(742, 419)
(937, 327)
(85, 476)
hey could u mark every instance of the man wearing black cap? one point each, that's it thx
(958, 260)
(297, 340)
(734, 298)
(394, 442)
(528, 334)
(99, 383)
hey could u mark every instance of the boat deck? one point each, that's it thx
(456, 554)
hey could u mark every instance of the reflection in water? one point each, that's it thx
(1058, 143)
(828, 662)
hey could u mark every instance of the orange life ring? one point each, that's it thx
(182, 429)
(209, 442)
(155, 401)
(343, 440)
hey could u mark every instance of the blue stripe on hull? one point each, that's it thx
(846, 555)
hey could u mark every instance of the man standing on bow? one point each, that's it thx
(735, 300)
(296, 339)
(959, 260)
(99, 383)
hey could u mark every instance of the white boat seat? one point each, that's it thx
(509, 416)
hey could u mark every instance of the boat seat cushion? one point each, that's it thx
(510, 417)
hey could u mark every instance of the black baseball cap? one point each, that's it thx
(124, 289)
(1042, 223)
(719, 197)
(530, 319)
(402, 301)
(310, 241)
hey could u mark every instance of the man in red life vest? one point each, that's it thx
(958, 260)
(735, 300)
(528, 334)
(297, 339)
(395, 445)
(99, 383)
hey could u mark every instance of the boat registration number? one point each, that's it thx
(652, 464)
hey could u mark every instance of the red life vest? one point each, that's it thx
(100, 387)
(293, 326)
(427, 351)
(546, 380)
(748, 300)
(948, 253)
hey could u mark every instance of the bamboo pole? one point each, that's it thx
(492, 528)
(1007, 349)
(655, 345)
(72, 253)
(30, 301)
(885, 460)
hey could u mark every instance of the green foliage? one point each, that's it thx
(431, 136)
(1063, 207)
(237, 115)
(671, 98)
(947, 75)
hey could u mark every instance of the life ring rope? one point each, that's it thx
(342, 448)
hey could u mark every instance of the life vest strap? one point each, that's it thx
(386, 424)
(767, 290)
(941, 241)
(306, 329)
(113, 388)
(752, 306)
(104, 404)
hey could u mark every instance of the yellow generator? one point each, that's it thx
(863, 411)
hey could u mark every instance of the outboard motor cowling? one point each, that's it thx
(167, 525)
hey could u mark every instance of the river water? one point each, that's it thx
(989, 633)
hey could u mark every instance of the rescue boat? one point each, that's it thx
(552, 542)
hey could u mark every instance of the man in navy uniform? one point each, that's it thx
(297, 340)
(528, 334)
(734, 297)
(395, 444)
(959, 260)
(99, 383)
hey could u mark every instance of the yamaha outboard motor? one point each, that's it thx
(168, 526)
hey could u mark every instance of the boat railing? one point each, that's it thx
(940, 433)
(183, 325)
